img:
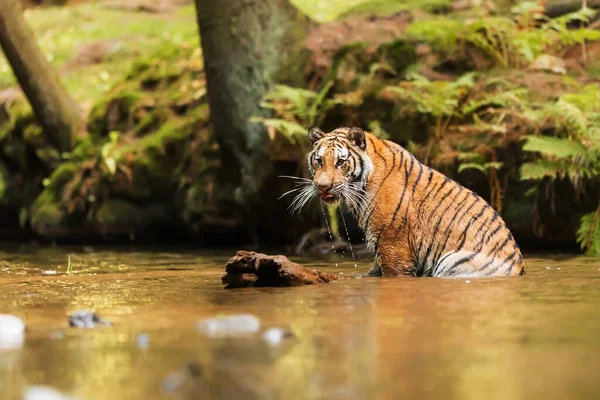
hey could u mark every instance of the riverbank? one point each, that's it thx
(463, 88)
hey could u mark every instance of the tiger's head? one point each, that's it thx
(338, 166)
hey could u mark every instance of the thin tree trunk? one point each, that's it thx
(247, 45)
(55, 110)
(557, 8)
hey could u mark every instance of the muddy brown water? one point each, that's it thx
(531, 337)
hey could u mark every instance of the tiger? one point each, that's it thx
(417, 221)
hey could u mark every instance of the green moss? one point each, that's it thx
(151, 121)
(159, 73)
(18, 116)
(169, 133)
(33, 134)
(399, 54)
(96, 117)
(84, 149)
(139, 67)
(442, 34)
(127, 100)
(61, 176)
(48, 155)
(377, 7)
(389, 7)
(4, 176)
(115, 213)
(119, 105)
(46, 214)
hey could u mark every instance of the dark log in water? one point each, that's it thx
(250, 269)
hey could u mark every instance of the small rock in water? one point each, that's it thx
(558, 268)
(143, 341)
(467, 281)
(86, 319)
(12, 331)
(191, 373)
(548, 268)
(41, 392)
(274, 336)
(229, 325)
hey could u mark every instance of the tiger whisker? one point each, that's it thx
(295, 177)
(288, 192)
(306, 194)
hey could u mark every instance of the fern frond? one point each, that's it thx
(493, 165)
(289, 129)
(541, 169)
(476, 166)
(505, 99)
(441, 34)
(553, 146)
(588, 234)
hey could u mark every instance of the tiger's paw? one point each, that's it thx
(374, 271)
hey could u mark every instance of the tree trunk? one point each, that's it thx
(51, 104)
(558, 8)
(247, 45)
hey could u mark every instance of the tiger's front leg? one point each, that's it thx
(375, 270)
(397, 264)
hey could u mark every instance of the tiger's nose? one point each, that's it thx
(323, 185)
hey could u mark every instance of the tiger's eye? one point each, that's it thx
(340, 163)
(319, 162)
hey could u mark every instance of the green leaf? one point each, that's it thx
(23, 217)
(289, 129)
(471, 156)
(531, 191)
(377, 130)
(111, 164)
(464, 166)
(552, 146)
(540, 169)
(493, 165)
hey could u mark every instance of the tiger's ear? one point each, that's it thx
(315, 134)
(357, 136)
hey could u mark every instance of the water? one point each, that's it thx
(527, 337)
(326, 218)
(348, 237)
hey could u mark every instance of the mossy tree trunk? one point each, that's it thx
(247, 46)
(53, 107)
(557, 8)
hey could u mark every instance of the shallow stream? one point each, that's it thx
(531, 337)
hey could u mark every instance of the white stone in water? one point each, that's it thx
(143, 340)
(42, 392)
(467, 281)
(274, 336)
(229, 325)
(12, 331)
